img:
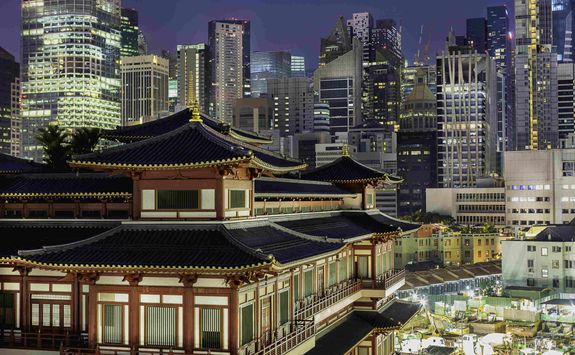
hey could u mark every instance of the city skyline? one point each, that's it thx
(167, 26)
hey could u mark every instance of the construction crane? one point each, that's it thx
(422, 58)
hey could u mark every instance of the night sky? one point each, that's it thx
(294, 25)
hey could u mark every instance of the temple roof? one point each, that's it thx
(17, 235)
(65, 185)
(13, 165)
(129, 134)
(276, 187)
(193, 145)
(347, 170)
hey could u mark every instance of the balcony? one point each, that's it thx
(314, 304)
(15, 339)
(118, 351)
(296, 334)
(384, 285)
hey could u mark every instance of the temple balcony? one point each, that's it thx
(322, 305)
(295, 337)
(384, 285)
(16, 339)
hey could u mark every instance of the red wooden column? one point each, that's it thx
(134, 309)
(92, 311)
(233, 326)
(373, 263)
(220, 198)
(76, 294)
(189, 311)
(24, 299)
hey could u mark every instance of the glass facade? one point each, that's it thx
(130, 32)
(70, 66)
(268, 65)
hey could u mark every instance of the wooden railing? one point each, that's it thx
(315, 304)
(299, 332)
(38, 340)
(119, 351)
(385, 281)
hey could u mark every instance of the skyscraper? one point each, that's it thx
(361, 26)
(477, 33)
(536, 124)
(229, 45)
(130, 32)
(9, 74)
(293, 104)
(297, 65)
(387, 34)
(466, 116)
(144, 88)
(268, 65)
(566, 99)
(69, 73)
(194, 76)
(337, 43)
(563, 22)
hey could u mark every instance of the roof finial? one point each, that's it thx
(345, 150)
(196, 113)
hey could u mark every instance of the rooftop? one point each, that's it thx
(346, 170)
(13, 165)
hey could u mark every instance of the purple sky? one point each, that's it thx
(294, 25)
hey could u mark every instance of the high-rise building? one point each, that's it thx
(254, 114)
(566, 100)
(536, 124)
(142, 43)
(339, 83)
(9, 77)
(387, 34)
(268, 65)
(193, 75)
(417, 146)
(130, 32)
(337, 43)
(144, 88)
(297, 65)
(229, 45)
(563, 23)
(466, 116)
(477, 33)
(321, 117)
(70, 74)
(172, 78)
(293, 105)
(409, 73)
(499, 48)
(361, 26)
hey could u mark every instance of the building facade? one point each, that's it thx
(477, 36)
(337, 43)
(229, 45)
(144, 88)
(194, 84)
(466, 117)
(565, 100)
(83, 89)
(293, 104)
(298, 66)
(268, 65)
(536, 124)
(9, 81)
(130, 31)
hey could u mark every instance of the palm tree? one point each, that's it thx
(54, 141)
(84, 140)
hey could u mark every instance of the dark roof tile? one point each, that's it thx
(13, 165)
(347, 170)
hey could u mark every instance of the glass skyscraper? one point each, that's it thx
(268, 65)
(130, 32)
(477, 33)
(563, 29)
(70, 66)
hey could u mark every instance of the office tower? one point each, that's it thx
(409, 74)
(142, 43)
(172, 78)
(381, 95)
(387, 34)
(477, 33)
(293, 104)
(563, 22)
(194, 83)
(69, 74)
(268, 65)
(466, 116)
(144, 88)
(337, 43)
(297, 66)
(566, 100)
(536, 124)
(417, 146)
(360, 26)
(321, 117)
(229, 45)
(338, 84)
(9, 81)
(130, 32)
(499, 48)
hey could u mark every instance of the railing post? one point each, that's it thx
(38, 340)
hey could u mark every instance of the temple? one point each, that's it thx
(189, 238)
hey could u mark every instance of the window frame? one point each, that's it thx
(245, 193)
(146, 327)
(221, 329)
(199, 201)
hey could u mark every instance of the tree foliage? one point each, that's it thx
(59, 144)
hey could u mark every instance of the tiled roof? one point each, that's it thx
(65, 185)
(13, 165)
(265, 187)
(129, 134)
(347, 170)
(557, 233)
(282, 245)
(153, 246)
(394, 222)
(33, 235)
(192, 145)
(338, 225)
